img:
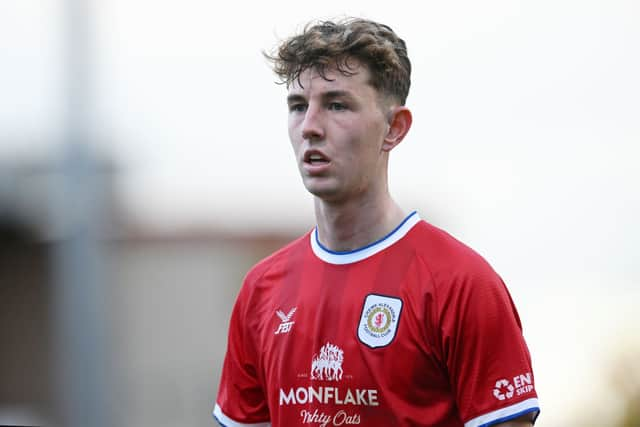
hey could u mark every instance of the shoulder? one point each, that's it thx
(278, 261)
(445, 254)
(456, 272)
(264, 279)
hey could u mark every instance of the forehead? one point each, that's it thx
(311, 81)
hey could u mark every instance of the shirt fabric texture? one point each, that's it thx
(415, 329)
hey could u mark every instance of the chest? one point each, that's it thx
(348, 338)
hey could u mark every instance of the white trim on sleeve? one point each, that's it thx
(505, 414)
(228, 422)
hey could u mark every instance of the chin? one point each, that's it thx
(323, 192)
(319, 192)
(326, 189)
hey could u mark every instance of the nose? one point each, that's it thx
(313, 124)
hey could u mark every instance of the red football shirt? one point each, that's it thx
(415, 329)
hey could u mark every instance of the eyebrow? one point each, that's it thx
(327, 95)
(294, 98)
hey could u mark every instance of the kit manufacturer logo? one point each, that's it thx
(379, 320)
(286, 324)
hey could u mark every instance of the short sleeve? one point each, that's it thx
(241, 398)
(486, 356)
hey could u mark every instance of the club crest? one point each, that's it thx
(379, 320)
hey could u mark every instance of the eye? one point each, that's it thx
(337, 106)
(298, 107)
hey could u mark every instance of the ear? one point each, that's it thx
(400, 120)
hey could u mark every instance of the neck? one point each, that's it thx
(351, 225)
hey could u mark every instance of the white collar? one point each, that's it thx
(348, 257)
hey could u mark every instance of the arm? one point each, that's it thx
(523, 421)
(241, 398)
(484, 350)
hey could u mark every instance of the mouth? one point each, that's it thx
(315, 158)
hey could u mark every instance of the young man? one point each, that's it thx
(375, 317)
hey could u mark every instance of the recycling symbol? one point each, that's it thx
(503, 390)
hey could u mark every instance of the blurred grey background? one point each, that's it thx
(145, 166)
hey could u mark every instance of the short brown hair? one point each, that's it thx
(324, 44)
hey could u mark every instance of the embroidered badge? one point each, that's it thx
(379, 320)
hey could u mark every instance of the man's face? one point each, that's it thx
(337, 129)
